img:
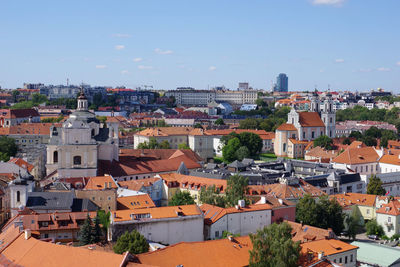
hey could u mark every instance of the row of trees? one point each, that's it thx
(240, 146)
(8, 148)
(275, 118)
(371, 135)
(94, 231)
(235, 191)
(153, 144)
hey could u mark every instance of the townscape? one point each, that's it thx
(208, 133)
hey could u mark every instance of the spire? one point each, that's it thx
(82, 101)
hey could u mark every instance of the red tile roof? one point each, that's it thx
(100, 183)
(329, 247)
(349, 199)
(29, 129)
(305, 233)
(310, 119)
(392, 208)
(287, 127)
(185, 181)
(22, 163)
(357, 156)
(136, 185)
(19, 113)
(135, 202)
(390, 159)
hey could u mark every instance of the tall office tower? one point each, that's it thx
(281, 83)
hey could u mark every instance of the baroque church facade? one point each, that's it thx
(75, 148)
(293, 137)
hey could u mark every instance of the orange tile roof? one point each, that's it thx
(286, 191)
(158, 212)
(390, 159)
(305, 233)
(299, 142)
(135, 202)
(99, 182)
(392, 208)
(287, 127)
(165, 131)
(19, 113)
(206, 253)
(157, 154)
(349, 199)
(328, 246)
(136, 185)
(319, 152)
(310, 119)
(36, 253)
(357, 156)
(22, 163)
(29, 129)
(213, 213)
(187, 180)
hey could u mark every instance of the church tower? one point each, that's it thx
(82, 102)
(315, 103)
(328, 116)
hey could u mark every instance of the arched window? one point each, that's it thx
(77, 160)
(55, 157)
(18, 196)
(93, 132)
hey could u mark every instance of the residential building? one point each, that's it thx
(338, 182)
(373, 254)
(191, 97)
(75, 149)
(151, 186)
(390, 182)
(240, 219)
(11, 117)
(388, 216)
(364, 202)
(166, 225)
(345, 128)
(237, 98)
(306, 233)
(173, 182)
(135, 202)
(389, 163)
(105, 199)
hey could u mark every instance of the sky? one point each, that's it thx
(343, 44)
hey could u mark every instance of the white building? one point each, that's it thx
(241, 219)
(388, 216)
(166, 225)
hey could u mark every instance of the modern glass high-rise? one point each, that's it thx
(281, 83)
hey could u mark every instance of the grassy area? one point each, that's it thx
(268, 155)
(218, 160)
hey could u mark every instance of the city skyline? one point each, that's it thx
(347, 44)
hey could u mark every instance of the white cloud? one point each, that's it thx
(124, 72)
(137, 59)
(144, 67)
(101, 66)
(383, 69)
(328, 2)
(119, 47)
(339, 60)
(121, 35)
(212, 68)
(398, 63)
(163, 52)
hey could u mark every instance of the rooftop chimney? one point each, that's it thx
(320, 255)
(241, 203)
(27, 233)
(263, 200)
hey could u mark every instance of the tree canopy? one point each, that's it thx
(273, 246)
(324, 141)
(8, 148)
(219, 121)
(354, 223)
(324, 213)
(89, 233)
(236, 189)
(374, 186)
(183, 146)
(239, 146)
(133, 242)
(153, 144)
(181, 198)
(373, 228)
(210, 195)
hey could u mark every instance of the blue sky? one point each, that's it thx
(348, 44)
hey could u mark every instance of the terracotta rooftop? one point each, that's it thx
(185, 181)
(328, 246)
(306, 233)
(135, 202)
(213, 213)
(357, 156)
(165, 131)
(29, 129)
(19, 113)
(22, 163)
(287, 127)
(100, 183)
(390, 159)
(319, 152)
(136, 185)
(146, 154)
(310, 119)
(286, 191)
(349, 199)
(299, 142)
(392, 208)
(158, 212)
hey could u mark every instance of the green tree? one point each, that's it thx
(260, 102)
(161, 123)
(38, 99)
(23, 105)
(306, 210)
(346, 141)
(373, 132)
(324, 142)
(183, 146)
(356, 134)
(219, 121)
(252, 141)
(229, 150)
(236, 189)
(153, 143)
(85, 232)
(104, 220)
(273, 246)
(374, 186)
(248, 123)
(242, 152)
(198, 125)
(143, 145)
(164, 145)
(96, 231)
(373, 228)
(210, 195)
(369, 141)
(8, 148)
(330, 214)
(181, 198)
(354, 223)
(133, 242)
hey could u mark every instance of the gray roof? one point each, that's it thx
(183, 169)
(50, 200)
(236, 164)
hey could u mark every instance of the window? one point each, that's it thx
(284, 147)
(389, 219)
(351, 258)
(345, 260)
(367, 211)
(340, 260)
(55, 157)
(313, 134)
(18, 196)
(216, 233)
(77, 160)
(93, 132)
(330, 120)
